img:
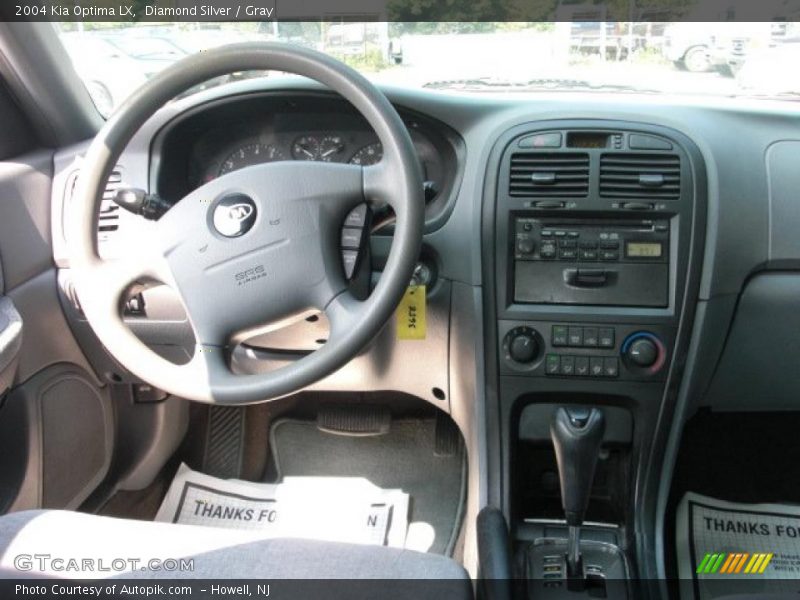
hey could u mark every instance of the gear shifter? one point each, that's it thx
(577, 434)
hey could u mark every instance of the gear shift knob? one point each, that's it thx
(576, 434)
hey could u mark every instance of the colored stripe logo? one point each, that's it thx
(734, 563)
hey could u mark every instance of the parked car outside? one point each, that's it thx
(701, 47)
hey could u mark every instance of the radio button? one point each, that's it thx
(573, 234)
(559, 335)
(552, 364)
(611, 244)
(546, 233)
(567, 365)
(575, 337)
(582, 366)
(525, 246)
(560, 233)
(548, 250)
(596, 366)
(591, 245)
(567, 254)
(605, 337)
(609, 255)
(567, 244)
(590, 337)
(588, 255)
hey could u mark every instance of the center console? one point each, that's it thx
(592, 241)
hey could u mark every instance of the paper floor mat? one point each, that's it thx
(341, 509)
(729, 548)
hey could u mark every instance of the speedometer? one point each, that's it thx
(368, 155)
(248, 155)
(306, 147)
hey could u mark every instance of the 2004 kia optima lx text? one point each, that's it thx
(329, 297)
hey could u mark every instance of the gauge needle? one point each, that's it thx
(307, 151)
(331, 151)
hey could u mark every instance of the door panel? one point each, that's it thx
(56, 421)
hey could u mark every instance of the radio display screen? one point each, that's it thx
(643, 249)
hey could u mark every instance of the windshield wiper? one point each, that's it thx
(791, 96)
(544, 83)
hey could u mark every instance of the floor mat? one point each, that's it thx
(735, 548)
(350, 510)
(404, 458)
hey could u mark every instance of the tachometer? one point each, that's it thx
(248, 155)
(306, 147)
(368, 155)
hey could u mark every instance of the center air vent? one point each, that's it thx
(108, 215)
(655, 176)
(549, 174)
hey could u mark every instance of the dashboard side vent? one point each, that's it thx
(655, 176)
(549, 174)
(108, 215)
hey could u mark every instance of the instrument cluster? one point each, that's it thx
(216, 154)
(238, 132)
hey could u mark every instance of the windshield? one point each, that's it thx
(724, 59)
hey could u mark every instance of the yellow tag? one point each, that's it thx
(411, 314)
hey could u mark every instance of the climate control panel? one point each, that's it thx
(600, 351)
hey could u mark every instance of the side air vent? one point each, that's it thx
(549, 174)
(108, 215)
(655, 176)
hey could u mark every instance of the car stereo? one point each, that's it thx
(614, 262)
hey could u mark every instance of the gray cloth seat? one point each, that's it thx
(215, 553)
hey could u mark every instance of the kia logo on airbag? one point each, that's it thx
(234, 215)
(239, 212)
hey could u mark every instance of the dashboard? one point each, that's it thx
(587, 248)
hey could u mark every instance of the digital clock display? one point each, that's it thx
(643, 249)
(588, 139)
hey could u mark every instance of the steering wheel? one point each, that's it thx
(253, 246)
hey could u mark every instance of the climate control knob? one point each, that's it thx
(643, 350)
(523, 348)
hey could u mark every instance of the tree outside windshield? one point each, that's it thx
(580, 53)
